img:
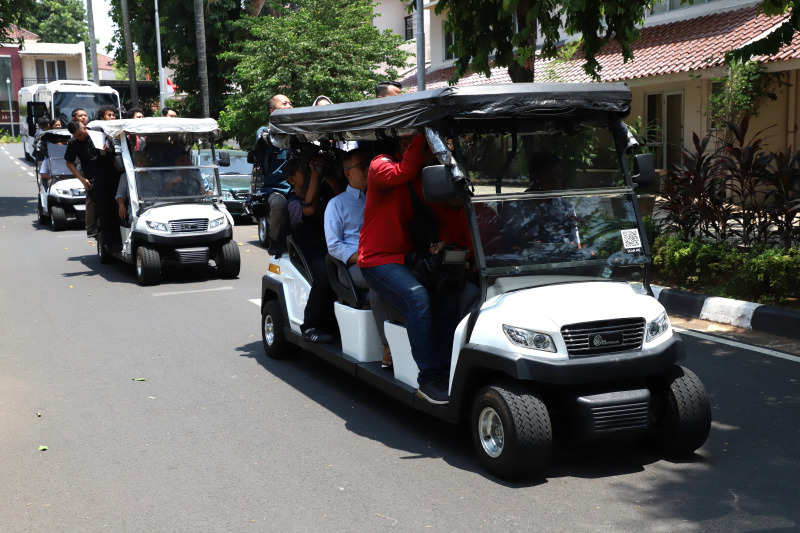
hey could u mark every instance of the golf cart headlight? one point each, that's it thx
(226, 195)
(657, 327)
(216, 223)
(529, 339)
(158, 226)
(63, 192)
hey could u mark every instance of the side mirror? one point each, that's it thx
(119, 164)
(644, 170)
(224, 159)
(437, 184)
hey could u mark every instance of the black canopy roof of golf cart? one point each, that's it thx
(489, 105)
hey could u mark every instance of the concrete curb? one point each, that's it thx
(747, 315)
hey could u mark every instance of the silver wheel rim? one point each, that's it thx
(269, 330)
(139, 264)
(262, 229)
(490, 431)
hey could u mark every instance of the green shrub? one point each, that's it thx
(768, 275)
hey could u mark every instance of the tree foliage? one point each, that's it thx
(318, 47)
(508, 29)
(179, 45)
(59, 21)
(14, 12)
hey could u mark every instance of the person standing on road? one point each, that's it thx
(99, 177)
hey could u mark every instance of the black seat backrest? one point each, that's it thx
(342, 283)
(298, 260)
(393, 313)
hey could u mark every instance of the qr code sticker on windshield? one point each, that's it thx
(631, 241)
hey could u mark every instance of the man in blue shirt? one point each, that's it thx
(344, 217)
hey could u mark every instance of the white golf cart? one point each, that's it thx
(62, 196)
(565, 340)
(175, 215)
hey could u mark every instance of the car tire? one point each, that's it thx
(28, 157)
(275, 344)
(42, 219)
(511, 431)
(228, 260)
(263, 231)
(680, 413)
(148, 266)
(102, 251)
(58, 218)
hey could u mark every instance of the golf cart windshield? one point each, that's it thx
(235, 176)
(164, 169)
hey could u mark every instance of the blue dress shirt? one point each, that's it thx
(344, 217)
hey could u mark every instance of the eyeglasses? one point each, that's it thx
(363, 166)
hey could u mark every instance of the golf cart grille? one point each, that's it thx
(603, 336)
(619, 417)
(189, 225)
(188, 256)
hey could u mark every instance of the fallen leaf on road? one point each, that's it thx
(38, 414)
(139, 379)
(70, 286)
(42, 448)
(151, 397)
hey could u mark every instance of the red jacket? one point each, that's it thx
(386, 233)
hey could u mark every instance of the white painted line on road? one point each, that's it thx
(735, 344)
(31, 174)
(72, 236)
(173, 293)
(256, 301)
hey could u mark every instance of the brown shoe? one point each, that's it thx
(386, 362)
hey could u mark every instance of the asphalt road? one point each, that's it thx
(220, 438)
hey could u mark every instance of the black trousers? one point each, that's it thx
(319, 309)
(107, 213)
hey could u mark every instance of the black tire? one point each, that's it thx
(148, 266)
(511, 431)
(58, 218)
(42, 219)
(102, 251)
(263, 231)
(680, 413)
(28, 157)
(228, 261)
(275, 344)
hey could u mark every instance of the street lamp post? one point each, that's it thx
(161, 88)
(10, 107)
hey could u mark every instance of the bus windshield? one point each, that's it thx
(65, 102)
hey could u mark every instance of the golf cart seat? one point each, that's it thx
(298, 260)
(342, 282)
(393, 313)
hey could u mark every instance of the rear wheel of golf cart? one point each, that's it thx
(58, 218)
(680, 413)
(228, 260)
(42, 218)
(148, 266)
(275, 343)
(511, 431)
(263, 232)
(102, 251)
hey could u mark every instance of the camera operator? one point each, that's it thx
(385, 250)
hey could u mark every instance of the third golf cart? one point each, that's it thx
(564, 340)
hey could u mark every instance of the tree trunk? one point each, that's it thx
(256, 6)
(524, 73)
(92, 42)
(202, 69)
(126, 29)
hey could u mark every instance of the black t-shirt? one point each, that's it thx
(95, 165)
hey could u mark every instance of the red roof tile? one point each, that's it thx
(15, 32)
(104, 62)
(677, 47)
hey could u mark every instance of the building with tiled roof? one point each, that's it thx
(15, 33)
(677, 59)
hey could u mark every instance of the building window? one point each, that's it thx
(47, 71)
(409, 28)
(671, 5)
(449, 40)
(5, 74)
(716, 89)
(664, 134)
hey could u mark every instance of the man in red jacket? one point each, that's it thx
(385, 243)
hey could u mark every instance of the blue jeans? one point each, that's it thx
(431, 319)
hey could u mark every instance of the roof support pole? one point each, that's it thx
(420, 46)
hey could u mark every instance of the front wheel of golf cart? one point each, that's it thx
(148, 266)
(263, 232)
(42, 219)
(680, 413)
(228, 260)
(511, 431)
(275, 343)
(58, 218)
